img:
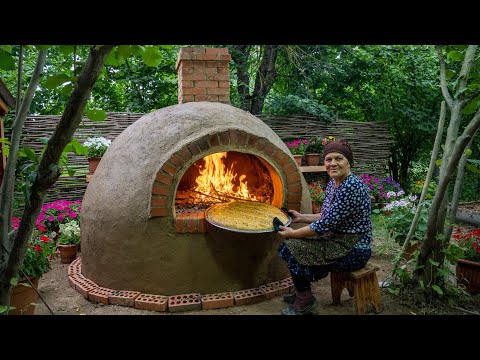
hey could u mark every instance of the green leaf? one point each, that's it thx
(30, 154)
(66, 49)
(449, 74)
(468, 152)
(7, 48)
(43, 140)
(474, 161)
(56, 80)
(114, 58)
(472, 106)
(42, 47)
(152, 56)
(454, 55)
(4, 308)
(437, 289)
(422, 285)
(124, 51)
(7, 62)
(71, 172)
(78, 148)
(434, 263)
(438, 162)
(67, 89)
(96, 115)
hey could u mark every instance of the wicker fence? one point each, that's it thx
(370, 142)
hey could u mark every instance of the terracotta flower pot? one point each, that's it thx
(313, 159)
(93, 163)
(298, 159)
(24, 297)
(68, 253)
(468, 273)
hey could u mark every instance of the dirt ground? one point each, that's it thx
(64, 300)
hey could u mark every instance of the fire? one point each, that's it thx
(216, 180)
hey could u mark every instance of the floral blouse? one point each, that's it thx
(346, 209)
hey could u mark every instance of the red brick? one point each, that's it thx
(224, 99)
(123, 297)
(187, 98)
(194, 149)
(100, 295)
(294, 188)
(160, 189)
(186, 84)
(219, 63)
(71, 282)
(195, 91)
(294, 178)
(213, 140)
(248, 296)
(224, 84)
(151, 302)
(164, 178)
(195, 77)
(159, 200)
(295, 198)
(181, 223)
(210, 71)
(223, 70)
(184, 302)
(216, 50)
(289, 168)
(224, 138)
(217, 78)
(260, 144)
(206, 84)
(212, 98)
(217, 301)
(191, 223)
(176, 161)
(184, 154)
(203, 143)
(83, 285)
(226, 57)
(208, 57)
(275, 288)
(158, 212)
(218, 91)
(242, 138)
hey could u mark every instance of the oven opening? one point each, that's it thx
(228, 176)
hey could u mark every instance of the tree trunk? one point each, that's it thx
(431, 255)
(240, 58)
(48, 170)
(264, 79)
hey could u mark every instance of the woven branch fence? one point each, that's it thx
(370, 142)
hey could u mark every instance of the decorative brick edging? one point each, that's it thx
(173, 303)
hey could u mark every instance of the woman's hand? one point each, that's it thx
(285, 232)
(296, 216)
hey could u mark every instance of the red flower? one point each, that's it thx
(37, 248)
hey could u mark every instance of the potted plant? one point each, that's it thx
(297, 148)
(55, 213)
(400, 219)
(95, 147)
(37, 261)
(468, 263)
(314, 150)
(68, 241)
(317, 194)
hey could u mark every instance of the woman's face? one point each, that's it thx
(337, 166)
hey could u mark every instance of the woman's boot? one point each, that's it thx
(304, 304)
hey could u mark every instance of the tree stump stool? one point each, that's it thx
(361, 284)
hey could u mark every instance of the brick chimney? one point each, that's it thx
(203, 75)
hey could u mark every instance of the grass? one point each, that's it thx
(382, 243)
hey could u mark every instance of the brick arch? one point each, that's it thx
(167, 178)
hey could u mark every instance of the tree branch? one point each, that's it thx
(443, 78)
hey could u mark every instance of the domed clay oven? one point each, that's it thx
(143, 213)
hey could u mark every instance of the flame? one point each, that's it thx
(217, 180)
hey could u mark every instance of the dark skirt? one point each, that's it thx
(354, 260)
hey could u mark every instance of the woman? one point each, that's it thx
(337, 239)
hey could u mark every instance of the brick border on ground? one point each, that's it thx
(172, 303)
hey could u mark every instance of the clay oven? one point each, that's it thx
(143, 213)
